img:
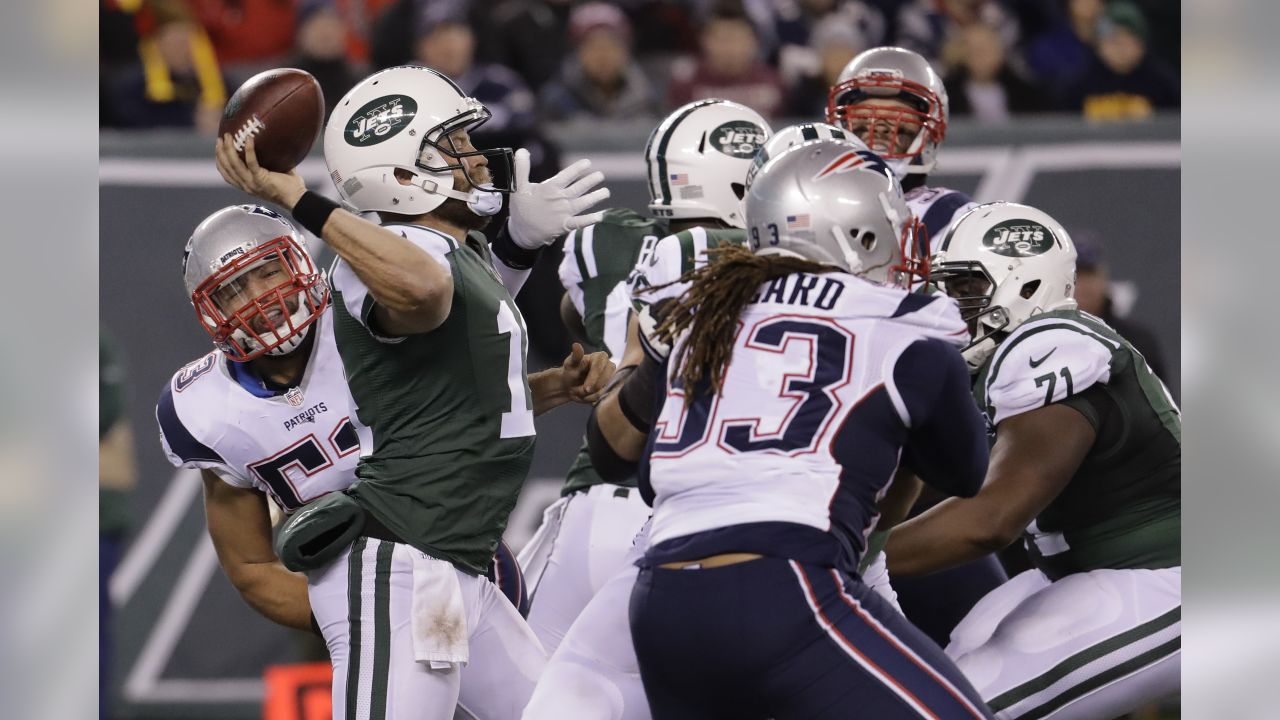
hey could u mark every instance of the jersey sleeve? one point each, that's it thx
(664, 264)
(1044, 363)
(355, 294)
(183, 448)
(947, 436)
(571, 271)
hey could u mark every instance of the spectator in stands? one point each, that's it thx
(984, 84)
(178, 82)
(248, 35)
(601, 79)
(933, 27)
(357, 18)
(322, 51)
(447, 43)
(1061, 55)
(730, 66)
(833, 43)
(1123, 82)
(1095, 296)
(529, 36)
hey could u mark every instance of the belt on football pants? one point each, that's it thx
(373, 528)
(714, 561)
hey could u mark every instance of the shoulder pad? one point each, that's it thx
(936, 316)
(670, 258)
(1044, 361)
(182, 447)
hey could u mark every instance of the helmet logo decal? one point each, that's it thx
(233, 252)
(379, 120)
(851, 161)
(738, 138)
(1018, 238)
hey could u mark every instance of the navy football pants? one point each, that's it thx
(773, 638)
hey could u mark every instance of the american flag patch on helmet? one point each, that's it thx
(798, 222)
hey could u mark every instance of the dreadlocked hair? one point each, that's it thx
(709, 309)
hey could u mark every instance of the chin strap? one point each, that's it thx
(481, 201)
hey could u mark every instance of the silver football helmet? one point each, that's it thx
(222, 252)
(833, 202)
(698, 158)
(1005, 263)
(907, 134)
(792, 135)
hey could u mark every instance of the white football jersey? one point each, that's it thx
(938, 208)
(810, 384)
(295, 446)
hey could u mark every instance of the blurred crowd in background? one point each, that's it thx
(172, 63)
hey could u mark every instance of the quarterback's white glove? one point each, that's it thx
(542, 212)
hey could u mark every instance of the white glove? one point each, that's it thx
(542, 212)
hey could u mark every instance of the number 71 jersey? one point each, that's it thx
(295, 446)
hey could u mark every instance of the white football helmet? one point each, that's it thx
(400, 119)
(224, 248)
(836, 203)
(698, 159)
(898, 74)
(1005, 263)
(792, 135)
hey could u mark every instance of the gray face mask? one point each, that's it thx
(484, 202)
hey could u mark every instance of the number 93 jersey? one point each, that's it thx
(810, 424)
(295, 446)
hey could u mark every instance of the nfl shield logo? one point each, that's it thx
(294, 396)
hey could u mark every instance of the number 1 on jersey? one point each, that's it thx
(518, 421)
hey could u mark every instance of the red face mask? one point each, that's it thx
(272, 320)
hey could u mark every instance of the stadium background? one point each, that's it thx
(186, 646)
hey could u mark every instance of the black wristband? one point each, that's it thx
(313, 210)
(636, 398)
(511, 254)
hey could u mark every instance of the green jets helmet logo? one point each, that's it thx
(1019, 238)
(380, 120)
(738, 138)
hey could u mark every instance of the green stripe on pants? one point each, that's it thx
(1129, 666)
(1082, 658)
(381, 630)
(355, 580)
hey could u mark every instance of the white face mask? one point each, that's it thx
(484, 202)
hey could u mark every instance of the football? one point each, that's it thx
(283, 110)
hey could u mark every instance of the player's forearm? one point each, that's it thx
(401, 276)
(951, 533)
(276, 593)
(615, 428)
(548, 389)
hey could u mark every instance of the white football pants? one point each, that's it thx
(594, 673)
(362, 602)
(580, 545)
(1092, 645)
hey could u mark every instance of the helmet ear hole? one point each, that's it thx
(868, 239)
(739, 189)
(1029, 289)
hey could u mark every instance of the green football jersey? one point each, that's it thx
(1122, 509)
(597, 261)
(445, 417)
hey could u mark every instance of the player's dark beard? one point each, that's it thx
(456, 212)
